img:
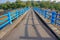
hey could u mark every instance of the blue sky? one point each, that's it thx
(3, 1)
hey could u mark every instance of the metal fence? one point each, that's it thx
(10, 16)
(53, 16)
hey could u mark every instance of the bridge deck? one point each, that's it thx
(31, 28)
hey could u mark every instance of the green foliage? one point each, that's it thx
(20, 4)
(4, 6)
(51, 5)
(14, 5)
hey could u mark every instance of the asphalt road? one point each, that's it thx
(30, 29)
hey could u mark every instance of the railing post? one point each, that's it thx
(42, 12)
(9, 18)
(53, 18)
(45, 13)
(20, 12)
(58, 19)
(17, 14)
(23, 10)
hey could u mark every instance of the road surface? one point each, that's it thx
(31, 28)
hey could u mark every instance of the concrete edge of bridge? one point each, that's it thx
(47, 25)
(10, 27)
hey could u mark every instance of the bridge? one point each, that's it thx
(30, 24)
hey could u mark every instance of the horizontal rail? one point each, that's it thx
(53, 16)
(11, 16)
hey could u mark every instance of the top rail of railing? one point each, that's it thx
(53, 16)
(10, 16)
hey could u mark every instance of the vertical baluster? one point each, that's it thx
(53, 18)
(17, 14)
(45, 14)
(20, 12)
(9, 18)
(58, 19)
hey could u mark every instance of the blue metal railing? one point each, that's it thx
(58, 19)
(10, 16)
(53, 16)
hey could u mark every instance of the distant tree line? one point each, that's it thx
(47, 5)
(14, 5)
(50, 5)
(19, 4)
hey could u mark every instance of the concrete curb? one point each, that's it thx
(10, 27)
(47, 25)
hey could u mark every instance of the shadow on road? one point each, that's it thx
(27, 37)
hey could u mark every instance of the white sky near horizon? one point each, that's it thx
(3, 1)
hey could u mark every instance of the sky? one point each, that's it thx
(3, 1)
